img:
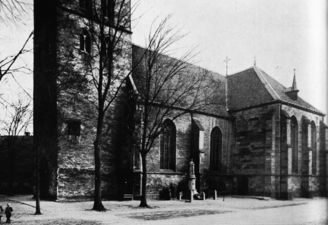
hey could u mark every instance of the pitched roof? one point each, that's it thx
(245, 89)
(215, 80)
(253, 86)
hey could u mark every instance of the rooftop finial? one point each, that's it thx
(226, 61)
(254, 60)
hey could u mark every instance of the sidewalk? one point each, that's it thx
(233, 210)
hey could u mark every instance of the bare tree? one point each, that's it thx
(17, 122)
(20, 118)
(7, 64)
(13, 11)
(108, 74)
(168, 88)
(10, 66)
(105, 63)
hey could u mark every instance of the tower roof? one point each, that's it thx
(294, 86)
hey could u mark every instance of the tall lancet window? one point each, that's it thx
(168, 146)
(85, 41)
(314, 148)
(294, 144)
(216, 150)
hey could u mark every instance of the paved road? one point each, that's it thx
(237, 211)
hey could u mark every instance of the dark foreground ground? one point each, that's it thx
(234, 210)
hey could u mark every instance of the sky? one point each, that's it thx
(282, 35)
(12, 38)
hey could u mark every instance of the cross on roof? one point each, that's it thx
(226, 61)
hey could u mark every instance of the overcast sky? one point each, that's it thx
(283, 35)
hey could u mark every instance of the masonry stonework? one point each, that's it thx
(65, 94)
(254, 118)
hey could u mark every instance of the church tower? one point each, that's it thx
(75, 43)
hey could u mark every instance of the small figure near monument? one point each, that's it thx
(8, 211)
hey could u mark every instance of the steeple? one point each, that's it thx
(294, 86)
(292, 92)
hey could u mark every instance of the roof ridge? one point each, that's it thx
(274, 79)
(190, 63)
(266, 83)
(314, 109)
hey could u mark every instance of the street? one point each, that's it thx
(234, 210)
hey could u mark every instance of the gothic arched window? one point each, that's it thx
(294, 144)
(85, 41)
(167, 147)
(314, 148)
(216, 150)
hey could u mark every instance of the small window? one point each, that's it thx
(74, 127)
(85, 41)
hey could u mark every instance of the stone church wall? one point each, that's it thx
(45, 94)
(76, 153)
(261, 162)
(254, 157)
(65, 95)
(158, 178)
(305, 183)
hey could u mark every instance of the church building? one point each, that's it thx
(260, 138)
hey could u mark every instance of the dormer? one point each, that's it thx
(292, 92)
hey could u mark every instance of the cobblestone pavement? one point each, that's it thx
(233, 210)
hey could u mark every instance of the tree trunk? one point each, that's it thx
(97, 205)
(37, 185)
(143, 202)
